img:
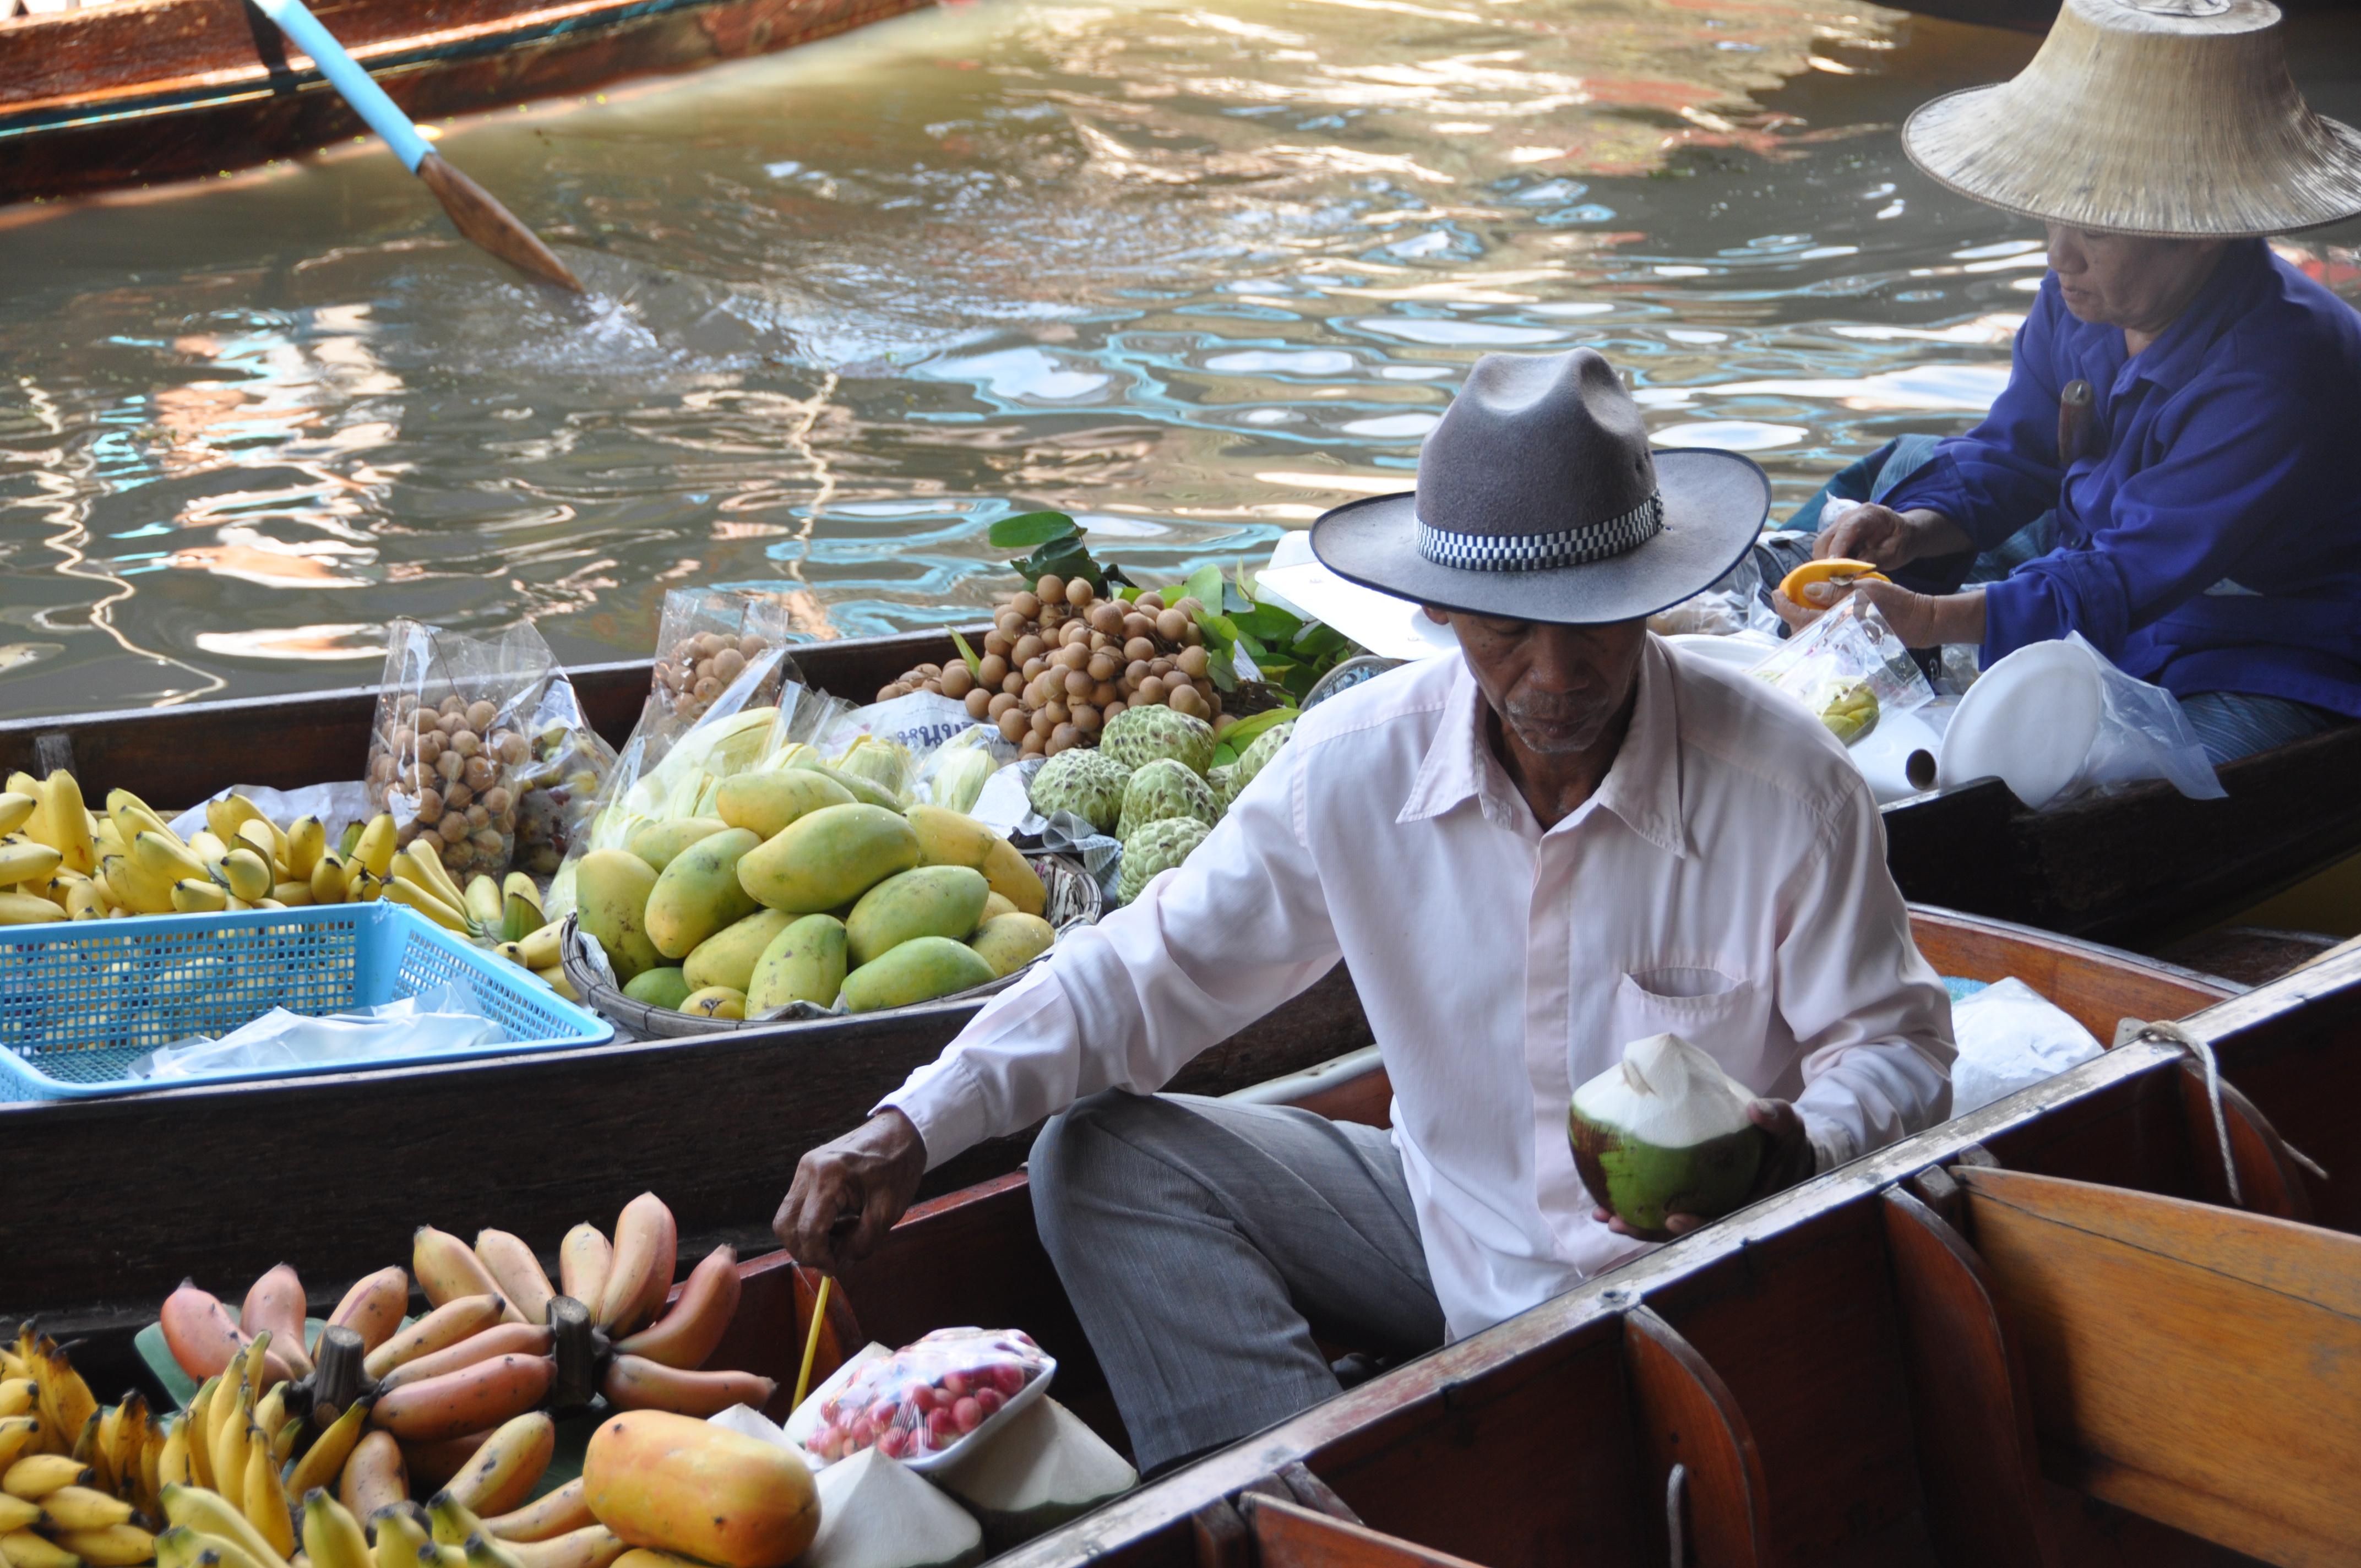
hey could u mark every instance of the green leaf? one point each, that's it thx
(1062, 557)
(1234, 601)
(1244, 734)
(1129, 592)
(974, 664)
(1224, 756)
(1299, 680)
(1225, 674)
(1029, 529)
(1205, 584)
(1269, 624)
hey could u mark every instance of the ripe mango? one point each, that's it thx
(948, 838)
(699, 893)
(715, 1001)
(659, 988)
(727, 957)
(659, 842)
(828, 857)
(804, 963)
(994, 907)
(1012, 941)
(918, 970)
(929, 901)
(610, 894)
(765, 803)
(680, 1484)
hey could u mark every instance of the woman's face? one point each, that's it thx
(2120, 280)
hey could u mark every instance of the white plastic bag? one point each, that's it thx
(441, 1018)
(2143, 734)
(2011, 1038)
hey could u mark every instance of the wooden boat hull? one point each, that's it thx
(2132, 870)
(111, 1202)
(143, 92)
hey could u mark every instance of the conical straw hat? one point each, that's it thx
(2162, 118)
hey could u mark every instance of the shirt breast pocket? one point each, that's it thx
(1727, 1016)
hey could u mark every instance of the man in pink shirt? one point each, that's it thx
(1568, 839)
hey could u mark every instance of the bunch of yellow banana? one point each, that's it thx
(79, 1481)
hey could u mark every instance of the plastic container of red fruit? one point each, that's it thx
(924, 1403)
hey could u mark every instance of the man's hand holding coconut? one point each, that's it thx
(1570, 841)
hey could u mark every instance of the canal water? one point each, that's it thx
(1191, 271)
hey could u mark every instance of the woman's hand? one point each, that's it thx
(1921, 620)
(1887, 539)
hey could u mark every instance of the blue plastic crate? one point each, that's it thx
(81, 1001)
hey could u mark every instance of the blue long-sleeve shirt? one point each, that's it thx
(2215, 544)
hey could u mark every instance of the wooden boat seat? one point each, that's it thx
(1289, 1535)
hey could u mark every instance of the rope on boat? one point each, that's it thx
(2167, 1032)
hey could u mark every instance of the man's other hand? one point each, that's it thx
(1788, 1160)
(865, 1179)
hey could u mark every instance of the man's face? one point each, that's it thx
(2120, 280)
(1556, 688)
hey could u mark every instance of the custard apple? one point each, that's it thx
(1165, 788)
(1258, 753)
(1085, 782)
(1158, 847)
(1224, 785)
(1138, 736)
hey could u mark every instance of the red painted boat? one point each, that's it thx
(143, 92)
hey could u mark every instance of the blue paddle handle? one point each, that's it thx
(345, 74)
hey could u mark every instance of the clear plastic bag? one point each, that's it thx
(954, 773)
(1850, 669)
(924, 1397)
(1734, 604)
(2142, 735)
(558, 783)
(706, 640)
(453, 727)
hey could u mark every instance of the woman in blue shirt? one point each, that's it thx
(2201, 524)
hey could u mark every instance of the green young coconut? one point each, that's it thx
(1040, 1469)
(1666, 1132)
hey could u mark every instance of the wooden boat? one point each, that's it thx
(141, 92)
(2133, 870)
(222, 1184)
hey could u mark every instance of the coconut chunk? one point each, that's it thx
(876, 1512)
(1043, 1467)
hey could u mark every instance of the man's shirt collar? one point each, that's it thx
(1643, 788)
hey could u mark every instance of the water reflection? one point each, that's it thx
(1194, 271)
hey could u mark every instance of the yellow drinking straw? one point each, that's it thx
(811, 1340)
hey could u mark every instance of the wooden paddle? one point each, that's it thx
(479, 217)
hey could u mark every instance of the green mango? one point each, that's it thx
(659, 988)
(804, 963)
(918, 970)
(699, 893)
(610, 897)
(728, 956)
(659, 842)
(930, 900)
(827, 857)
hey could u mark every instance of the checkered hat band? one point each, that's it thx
(1543, 552)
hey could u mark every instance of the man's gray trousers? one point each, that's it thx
(1205, 1244)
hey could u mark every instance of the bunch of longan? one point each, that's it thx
(1060, 662)
(446, 771)
(700, 668)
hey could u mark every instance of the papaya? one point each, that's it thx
(766, 801)
(926, 901)
(699, 893)
(1012, 941)
(658, 842)
(804, 963)
(679, 1484)
(728, 956)
(828, 857)
(611, 896)
(918, 970)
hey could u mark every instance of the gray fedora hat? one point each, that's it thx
(1539, 499)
